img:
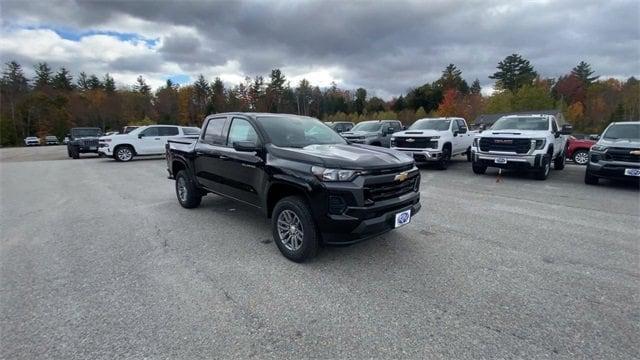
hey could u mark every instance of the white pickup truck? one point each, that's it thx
(145, 140)
(435, 140)
(528, 142)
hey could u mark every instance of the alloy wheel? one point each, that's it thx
(182, 189)
(290, 230)
(581, 158)
(124, 154)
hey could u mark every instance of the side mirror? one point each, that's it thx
(245, 146)
(140, 136)
(404, 128)
(390, 131)
(455, 133)
(567, 129)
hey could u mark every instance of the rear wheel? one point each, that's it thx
(558, 163)
(74, 152)
(478, 168)
(469, 158)
(294, 230)
(581, 157)
(123, 153)
(589, 179)
(189, 196)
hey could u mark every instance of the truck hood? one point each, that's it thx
(516, 134)
(623, 143)
(418, 133)
(342, 156)
(359, 133)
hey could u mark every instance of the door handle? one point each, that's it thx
(157, 138)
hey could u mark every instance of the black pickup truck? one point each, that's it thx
(314, 185)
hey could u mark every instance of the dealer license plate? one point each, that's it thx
(403, 218)
(500, 160)
(632, 172)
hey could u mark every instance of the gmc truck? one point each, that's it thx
(435, 140)
(313, 185)
(527, 142)
(373, 132)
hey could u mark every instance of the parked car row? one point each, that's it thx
(48, 140)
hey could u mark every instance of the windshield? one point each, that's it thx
(623, 131)
(432, 124)
(521, 123)
(373, 126)
(298, 131)
(86, 132)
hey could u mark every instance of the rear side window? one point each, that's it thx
(454, 126)
(152, 131)
(191, 131)
(462, 126)
(213, 133)
(395, 126)
(168, 131)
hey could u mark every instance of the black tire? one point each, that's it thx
(68, 151)
(590, 179)
(469, 158)
(123, 153)
(558, 162)
(542, 172)
(75, 152)
(189, 196)
(478, 168)
(581, 157)
(309, 246)
(443, 163)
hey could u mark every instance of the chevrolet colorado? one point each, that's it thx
(616, 155)
(314, 185)
(435, 140)
(529, 142)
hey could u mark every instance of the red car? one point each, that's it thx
(578, 150)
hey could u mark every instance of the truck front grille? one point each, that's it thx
(622, 154)
(389, 190)
(90, 142)
(518, 146)
(416, 143)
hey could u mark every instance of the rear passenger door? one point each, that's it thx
(208, 160)
(464, 134)
(166, 133)
(148, 141)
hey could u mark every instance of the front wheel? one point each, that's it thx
(189, 196)
(478, 168)
(581, 157)
(74, 152)
(123, 153)
(558, 163)
(294, 230)
(445, 157)
(543, 172)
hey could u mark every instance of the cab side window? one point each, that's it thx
(462, 126)
(454, 126)
(213, 132)
(554, 126)
(395, 126)
(241, 130)
(152, 131)
(168, 131)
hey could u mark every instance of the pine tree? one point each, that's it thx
(360, 100)
(94, 83)
(141, 86)
(475, 87)
(583, 72)
(43, 75)
(514, 72)
(83, 81)
(109, 83)
(63, 80)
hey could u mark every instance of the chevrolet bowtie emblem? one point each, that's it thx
(635, 152)
(402, 176)
(410, 140)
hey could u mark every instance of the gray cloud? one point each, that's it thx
(384, 46)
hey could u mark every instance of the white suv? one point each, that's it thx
(145, 140)
(530, 142)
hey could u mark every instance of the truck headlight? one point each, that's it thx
(599, 148)
(324, 174)
(539, 143)
(475, 142)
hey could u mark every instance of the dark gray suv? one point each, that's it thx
(373, 132)
(616, 155)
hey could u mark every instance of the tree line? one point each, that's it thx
(52, 102)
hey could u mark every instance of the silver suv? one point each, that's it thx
(373, 132)
(616, 155)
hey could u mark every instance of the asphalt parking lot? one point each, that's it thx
(98, 260)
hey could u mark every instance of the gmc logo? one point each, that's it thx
(503, 141)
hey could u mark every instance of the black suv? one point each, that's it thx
(83, 140)
(314, 185)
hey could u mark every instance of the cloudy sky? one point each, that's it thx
(384, 46)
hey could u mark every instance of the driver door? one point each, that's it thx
(558, 140)
(148, 140)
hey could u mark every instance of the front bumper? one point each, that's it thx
(612, 169)
(513, 161)
(422, 155)
(105, 150)
(362, 218)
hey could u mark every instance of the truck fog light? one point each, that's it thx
(337, 205)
